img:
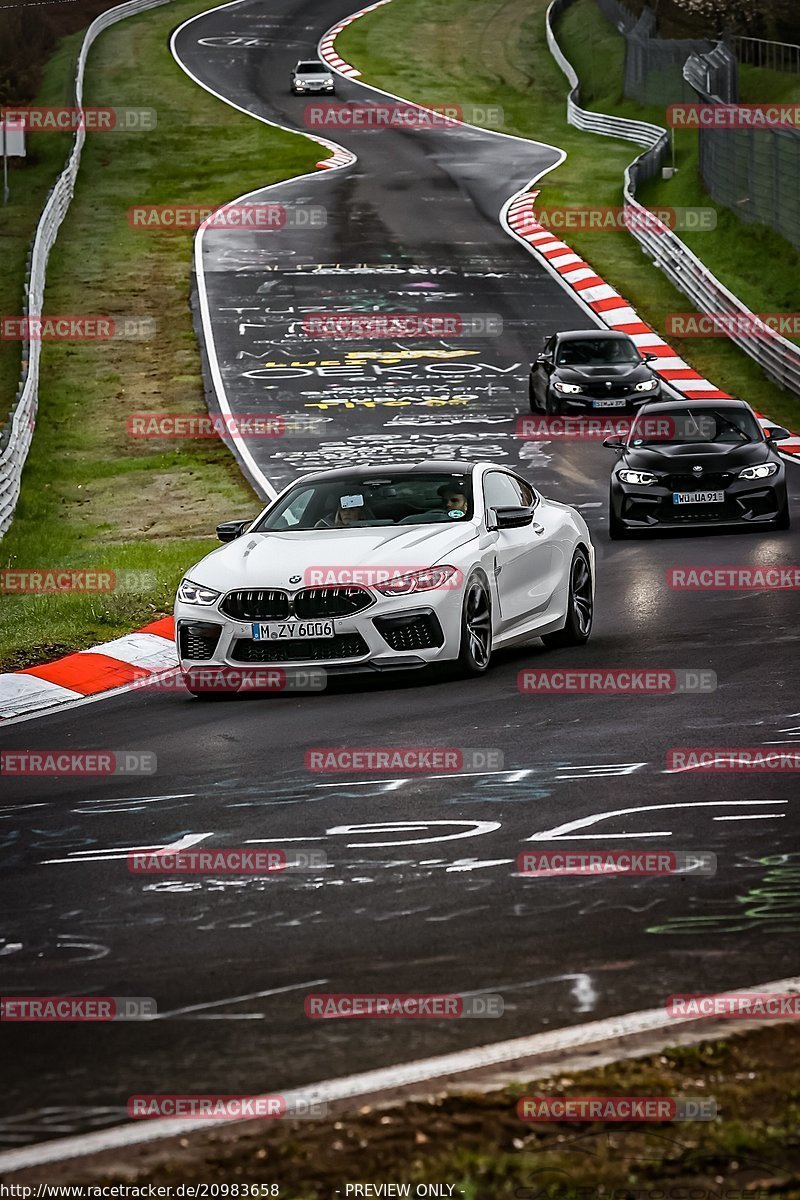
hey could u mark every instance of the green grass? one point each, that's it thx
(489, 54)
(478, 1145)
(92, 497)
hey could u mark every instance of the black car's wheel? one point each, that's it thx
(783, 519)
(553, 405)
(616, 529)
(534, 403)
(580, 609)
(475, 650)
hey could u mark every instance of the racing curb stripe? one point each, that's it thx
(138, 655)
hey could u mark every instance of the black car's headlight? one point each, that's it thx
(639, 477)
(560, 386)
(762, 471)
(647, 385)
(195, 593)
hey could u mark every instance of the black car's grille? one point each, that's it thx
(344, 645)
(709, 481)
(599, 391)
(419, 631)
(331, 601)
(198, 641)
(256, 605)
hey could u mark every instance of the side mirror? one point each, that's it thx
(229, 531)
(544, 360)
(613, 443)
(777, 434)
(512, 517)
(650, 357)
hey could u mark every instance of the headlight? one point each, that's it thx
(640, 477)
(565, 387)
(760, 472)
(195, 593)
(647, 385)
(420, 581)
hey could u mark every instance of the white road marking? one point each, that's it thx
(193, 1008)
(478, 828)
(749, 817)
(120, 852)
(423, 1071)
(567, 830)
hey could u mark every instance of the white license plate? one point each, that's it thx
(698, 497)
(272, 631)
(609, 403)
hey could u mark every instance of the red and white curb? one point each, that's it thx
(612, 309)
(136, 656)
(326, 48)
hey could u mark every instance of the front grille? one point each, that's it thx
(707, 482)
(198, 641)
(256, 605)
(599, 391)
(419, 631)
(344, 645)
(331, 601)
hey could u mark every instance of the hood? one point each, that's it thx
(267, 560)
(310, 76)
(635, 372)
(680, 458)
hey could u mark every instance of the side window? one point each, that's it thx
(500, 491)
(527, 496)
(549, 345)
(293, 513)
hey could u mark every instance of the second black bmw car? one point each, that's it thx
(694, 463)
(586, 370)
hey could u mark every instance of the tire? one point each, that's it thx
(616, 530)
(580, 609)
(475, 649)
(553, 406)
(534, 403)
(783, 519)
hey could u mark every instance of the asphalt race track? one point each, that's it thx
(421, 891)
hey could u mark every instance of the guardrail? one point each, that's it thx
(17, 433)
(777, 357)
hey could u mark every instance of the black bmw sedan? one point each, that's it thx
(585, 370)
(697, 463)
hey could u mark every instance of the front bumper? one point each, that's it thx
(628, 402)
(393, 633)
(746, 502)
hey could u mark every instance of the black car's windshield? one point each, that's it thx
(359, 502)
(313, 68)
(597, 352)
(728, 426)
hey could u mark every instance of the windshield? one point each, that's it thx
(597, 352)
(728, 426)
(313, 68)
(358, 502)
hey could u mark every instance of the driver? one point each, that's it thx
(453, 498)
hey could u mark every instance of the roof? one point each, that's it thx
(571, 335)
(433, 466)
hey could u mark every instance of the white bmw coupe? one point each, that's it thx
(388, 567)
